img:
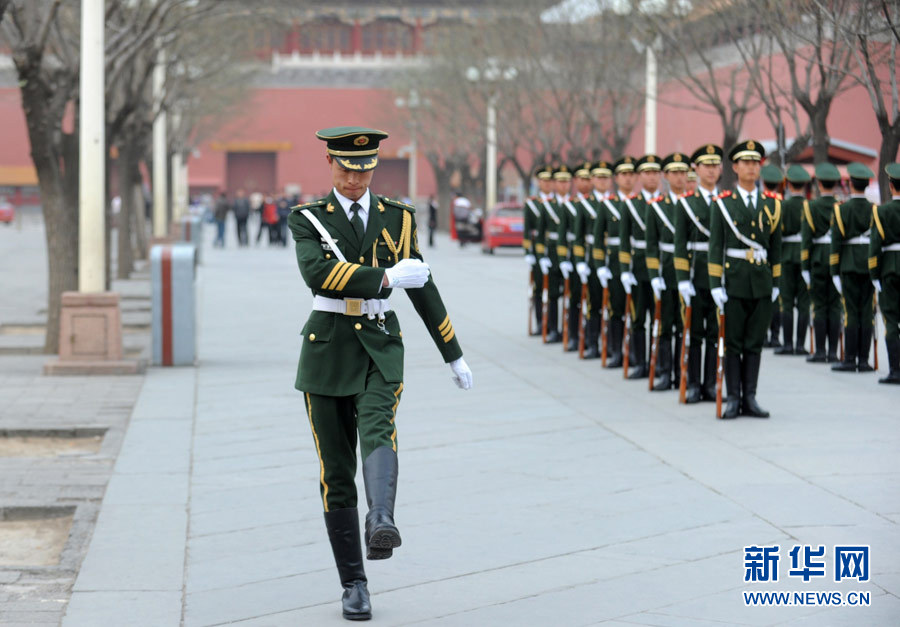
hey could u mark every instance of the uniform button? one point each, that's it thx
(312, 337)
(361, 259)
(753, 236)
(752, 222)
(327, 256)
(357, 326)
(727, 265)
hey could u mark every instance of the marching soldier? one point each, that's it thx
(532, 244)
(548, 238)
(692, 224)
(691, 182)
(772, 178)
(884, 270)
(744, 248)
(635, 278)
(661, 253)
(814, 256)
(568, 216)
(849, 254)
(587, 209)
(353, 249)
(605, 252)
(793, 288)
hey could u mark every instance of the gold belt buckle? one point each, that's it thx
(354, 306)
(749, 255)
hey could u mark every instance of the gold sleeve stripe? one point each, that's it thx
(347, 275)
(873, 262)
(540, 249)
(834, 259)
(624, 257)
(837, 217)
(877, 221)
(338, 267)
(338, 277)
(652, 263)
(808, 215)
(578, 251)
(715, 270)
(447, 338)
(682, 264)
(526, 243)
(444, 324)
(804, 254)
(562, 251)
(776, 271)
(598, 254)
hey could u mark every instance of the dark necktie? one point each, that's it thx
(357, 222)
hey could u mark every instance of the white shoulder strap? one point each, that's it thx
(693, 217)
(588, 208)
(325, 234)
(531, 206)
(662, 216)
(571, 209)
(743, 238)
(551, 212)
(634, 214)
(612, 208)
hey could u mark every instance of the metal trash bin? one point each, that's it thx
(173, 276)
(192, 233)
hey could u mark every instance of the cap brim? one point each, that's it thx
(358, 164)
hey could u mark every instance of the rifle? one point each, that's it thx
(582, 320)
(544, 297)
(654, 349)
(812, 335)
(626, 340)
(565, 315)
(720, 364)
(530, 302)
(685, 349)
(841, 342)
(875, 327)
(604, 308)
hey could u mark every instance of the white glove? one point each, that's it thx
(837, 283)
(566, 268)
(805, 275)
(408, 274)
(877, 284)
(530, 260)
(545, 263)
(604, 274)
(775, 292)
(583, 271)
(627, 281)
(686, 289)
(658, 285)
(462, 376)
(720, 297)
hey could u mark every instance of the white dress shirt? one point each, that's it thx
(364, 202)
(707, 194)
(749, 198)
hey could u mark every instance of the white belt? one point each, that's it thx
(791, 239)
(553, 235)
(666, 247)
(352, 306)
(613, 241)
(893, 248)
(699, 246)
(825, 239)
(859, 239)
(638, 243)
(589, 239)
(755, 255)
(570, 237)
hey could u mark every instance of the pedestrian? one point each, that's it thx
(241, 213)
(351, 362)
(462, 209)
(432, 220)
(221, 213)
(884, 270)
(744, 263)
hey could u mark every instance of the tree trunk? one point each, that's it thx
(890, 142)
(125, 169)
(729, 139)
(820, 140)
(139, 215)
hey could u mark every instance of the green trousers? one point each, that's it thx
(825, 298)
(889, 302)
(746, 324)
(670, 313)
(857, 291)
(793, 289)
(704, 317)
(335, 422)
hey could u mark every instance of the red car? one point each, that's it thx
(503, 227)
(7, 212)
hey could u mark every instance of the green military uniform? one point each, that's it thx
(582, 253)
(570, 227)
(692, 223)
(744, 249)
(661, 264)
(793, 288)
(848, 261)
(534, 249)
(633, 259)
(351, 361)
(548, 239)
(772, 178)
(884, 269)
(815, 237)
(605, 254)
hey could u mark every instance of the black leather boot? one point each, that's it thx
(802, 326)
(553, 334)
(749, 377)
(343, 532)
(695, 356)
(614, 343)
(538, 314)
(821, 332)
(708, 391)
(893, 351)
(851, 350)
(774, 328)
(834, 338)
(733, 383)
(663, 372)
(592, 333)
(380, 476)
(676, 362)
(638, 356)
(572, 344)
(787, 329)
(865, 342)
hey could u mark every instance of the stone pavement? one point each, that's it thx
(553, 493)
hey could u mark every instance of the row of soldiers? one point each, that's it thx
(710, 264)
